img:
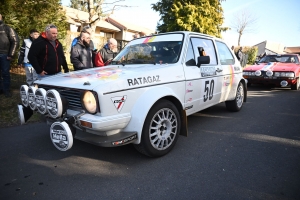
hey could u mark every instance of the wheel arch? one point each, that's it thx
(145, 102)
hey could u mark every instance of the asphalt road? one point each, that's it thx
(251, 154)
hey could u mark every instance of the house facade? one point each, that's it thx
(104, 29)
(269, 48)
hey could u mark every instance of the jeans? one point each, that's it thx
(4, 73)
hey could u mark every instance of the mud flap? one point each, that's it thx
(184, 129)
(24, 113)
(61, 136)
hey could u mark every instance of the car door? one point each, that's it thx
(229, 67)
(202, 84)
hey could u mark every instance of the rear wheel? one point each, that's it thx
(296, 85)
(160, 130)
(236, 104)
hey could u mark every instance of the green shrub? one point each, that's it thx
(252, 53)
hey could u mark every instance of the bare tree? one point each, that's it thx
(244, 22)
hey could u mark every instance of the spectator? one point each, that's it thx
(109, 54)
(136, 35)
(31, 74)
(240, 55)
(9, 43)
(81, 54)
(46, 54)
(232, 48)
(85, 29)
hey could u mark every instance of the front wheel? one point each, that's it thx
(160, 130)
(236, 104)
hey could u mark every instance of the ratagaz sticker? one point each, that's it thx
(208, 71)
(143, 80)
(119, 102)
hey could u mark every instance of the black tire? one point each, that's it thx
(159, 140)
(236, 104)
(296, 85)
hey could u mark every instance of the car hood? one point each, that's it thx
(114, 78)
(273, 66)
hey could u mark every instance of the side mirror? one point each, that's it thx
(203, 60)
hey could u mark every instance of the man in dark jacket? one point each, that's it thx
(81, 53)
(240, 55)
(46, 53)
(109, 53)
(9, 42)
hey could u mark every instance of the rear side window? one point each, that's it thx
(208, 47)
(226, 58)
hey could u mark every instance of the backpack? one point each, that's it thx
(98, 61)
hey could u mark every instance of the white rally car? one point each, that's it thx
(143, 97)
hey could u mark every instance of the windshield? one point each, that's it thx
(161, 49)
(279, 58)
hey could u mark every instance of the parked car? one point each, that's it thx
(143, 97)
(281, 70)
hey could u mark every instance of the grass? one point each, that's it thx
(8, 106)
(9, 111)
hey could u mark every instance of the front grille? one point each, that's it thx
(72, 95)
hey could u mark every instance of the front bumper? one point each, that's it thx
(119, 139)
(99, 138)
(270, 80)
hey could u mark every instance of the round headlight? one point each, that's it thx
(40, 101)
(31, 97)
(257, 73)
(54, 103)
(89, 102)
(269, 73)
(24, 95)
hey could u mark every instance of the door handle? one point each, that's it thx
(219, 70)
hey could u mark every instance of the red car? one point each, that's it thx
(281, 70)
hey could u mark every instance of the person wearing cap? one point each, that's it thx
(9, 43)
(31, 74)
(46, 54)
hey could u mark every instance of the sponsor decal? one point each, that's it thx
(207, 71)
(149, 39)
(189, 99)
(119, 102)
(143, 80)
(188, 91)
(190, 84)
(102, 74)
(189, 107)
(61, 136)
(124, 141)
(268, 66)
(237, 68)
(52, 104)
